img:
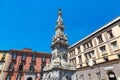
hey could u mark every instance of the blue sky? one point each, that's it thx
(31, 23)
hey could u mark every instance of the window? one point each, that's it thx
(100, 39)
(74, 61)
(114, 46)
(43, 59)
(23, 56)
(1, 64)
(80, 59)
(78, 49)
(112, 75)
(90, 55)
(70, 54)
(89, 75)
(14, 56)
(103, 50)
(11, 67)
(21, 67)
(98, 76)
(18, 77)
(73, 52)
(3, 57)
(33, 57)
(90, 44)
(110, 34)
(81, 77)
(87, 45)
(8, 77)
(31, 67)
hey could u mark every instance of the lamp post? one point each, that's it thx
(90, 63)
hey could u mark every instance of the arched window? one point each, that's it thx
(111, 75)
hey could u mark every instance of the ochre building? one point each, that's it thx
(97, 56)
(4, 55)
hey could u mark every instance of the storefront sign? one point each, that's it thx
(109, 68)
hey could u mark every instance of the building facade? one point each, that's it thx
(4, 55)
(97, 56)
(25, 65)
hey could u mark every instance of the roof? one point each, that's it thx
(34, 52)
(4, 50)
(105, 26)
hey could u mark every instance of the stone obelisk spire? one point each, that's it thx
(59, 42)
(59, 68)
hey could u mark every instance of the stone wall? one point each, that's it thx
(99, 71)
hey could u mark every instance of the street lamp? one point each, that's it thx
(90, 63)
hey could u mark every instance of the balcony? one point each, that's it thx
(20, 70)
(23, 60)
(13, 59)
(101, 41)
(104, 54)
(117, 51)
(10, 70)
(33, 61)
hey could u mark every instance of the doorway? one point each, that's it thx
(29, 78)
(111, 75)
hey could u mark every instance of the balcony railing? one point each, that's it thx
(104, 54)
